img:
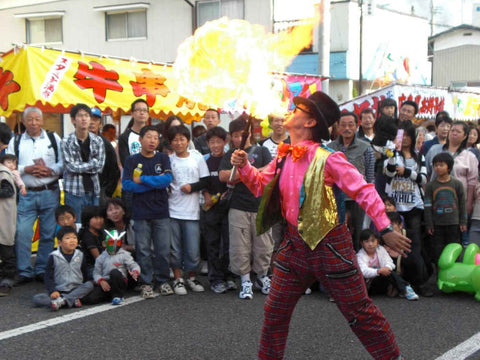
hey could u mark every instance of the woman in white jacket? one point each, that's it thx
(377, 267)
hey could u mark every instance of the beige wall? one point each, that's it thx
(456, 64)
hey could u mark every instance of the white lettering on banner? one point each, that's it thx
(54, 76)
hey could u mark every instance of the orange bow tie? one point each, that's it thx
(297, 151)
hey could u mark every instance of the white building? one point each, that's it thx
(457, 50)
(392, 41)
(394, 44)
(145, 29)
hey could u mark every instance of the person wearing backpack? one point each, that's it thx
(40, 164)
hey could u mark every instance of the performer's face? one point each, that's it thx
(299, 119)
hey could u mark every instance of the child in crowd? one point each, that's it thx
(66, 274)
(397, 222)
(150, 211)
(92, 235)
(8, 214)
(378, 268)
(111, 272)
(65, 216)
(190, 175)
(216, 218)
(247, 250)
(445, 209)
(10, 161)
(390, 204)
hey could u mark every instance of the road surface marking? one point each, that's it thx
(463, 350)
(66, 318)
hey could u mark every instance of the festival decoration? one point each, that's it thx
(461, 105)
(55, 80)
(456, 276)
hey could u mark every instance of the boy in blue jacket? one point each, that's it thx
(150, 211)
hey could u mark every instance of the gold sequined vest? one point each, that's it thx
(318, 209)
(318, 213)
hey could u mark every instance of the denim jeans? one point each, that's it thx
(41, 204)
(79, 292)
(474, 233)
(79, 202)
(185, 244)
(156, 232)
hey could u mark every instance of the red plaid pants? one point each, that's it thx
(334, 264)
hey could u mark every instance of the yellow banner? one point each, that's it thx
(56, 80)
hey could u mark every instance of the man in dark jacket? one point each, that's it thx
(111, 172)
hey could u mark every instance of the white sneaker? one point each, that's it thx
(263, 283)
(204, 267)
(57, 303)
(246, 291)
(195, 285)
(147, 292)
(308, 291)
(165, 289)
(179, 287)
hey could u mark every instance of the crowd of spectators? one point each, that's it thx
(182, 203)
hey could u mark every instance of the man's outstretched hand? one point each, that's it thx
(397, 242)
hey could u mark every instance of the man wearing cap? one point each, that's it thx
(111, 173)
(317, 244)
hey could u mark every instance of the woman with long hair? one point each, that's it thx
(117, 217)
(406, 174)
(472, 142)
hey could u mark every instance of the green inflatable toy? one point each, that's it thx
(459, 276)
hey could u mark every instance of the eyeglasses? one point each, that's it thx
(305, 111)
(141, 110)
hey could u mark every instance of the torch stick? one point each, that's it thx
(246, 133)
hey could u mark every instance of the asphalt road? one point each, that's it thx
(207, 326)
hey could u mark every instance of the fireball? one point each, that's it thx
(233, 61)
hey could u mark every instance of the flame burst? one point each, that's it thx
(229, 61)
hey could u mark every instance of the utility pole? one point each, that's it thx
(360, 70)
(324, 43)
